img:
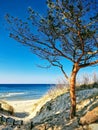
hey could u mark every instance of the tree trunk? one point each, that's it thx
(72, 90)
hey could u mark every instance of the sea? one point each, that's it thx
(23, 91)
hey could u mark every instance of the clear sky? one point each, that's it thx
(17, 63)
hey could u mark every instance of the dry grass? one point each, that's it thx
(87, 78)
(51, 94)
(60, 89)
(5, 107)
(87, 81)
(56, 91)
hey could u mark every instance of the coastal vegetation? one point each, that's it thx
(68, 31)
(52, 111)
(6, 108)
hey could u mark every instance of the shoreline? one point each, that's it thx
(48, 112)
(19, 99)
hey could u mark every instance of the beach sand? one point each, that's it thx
(25, 109)
(22, 109)
(22, 106)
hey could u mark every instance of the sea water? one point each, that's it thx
(23, 91)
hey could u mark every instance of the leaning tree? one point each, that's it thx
(67, 31)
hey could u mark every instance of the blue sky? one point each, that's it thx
(17, 63)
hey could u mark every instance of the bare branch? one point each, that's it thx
(43, 67)
(58, 64)
(92, 53)
(88, 64)
(91, 23)
(63, 33)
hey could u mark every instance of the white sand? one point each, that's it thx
(26, 110)
(22, 106)
(22, 109)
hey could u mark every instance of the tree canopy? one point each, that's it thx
(69, 30)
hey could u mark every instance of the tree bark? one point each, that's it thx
(72, 90)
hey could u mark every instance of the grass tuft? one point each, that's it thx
(6, 108)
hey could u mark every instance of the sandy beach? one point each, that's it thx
(22, 108)
(48, 112)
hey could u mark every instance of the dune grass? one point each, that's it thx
(5, 107)
(53, 93)
(63, 88)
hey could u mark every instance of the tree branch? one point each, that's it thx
(88, 64)
(61, 67)
(92, 53)
(62, 53)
